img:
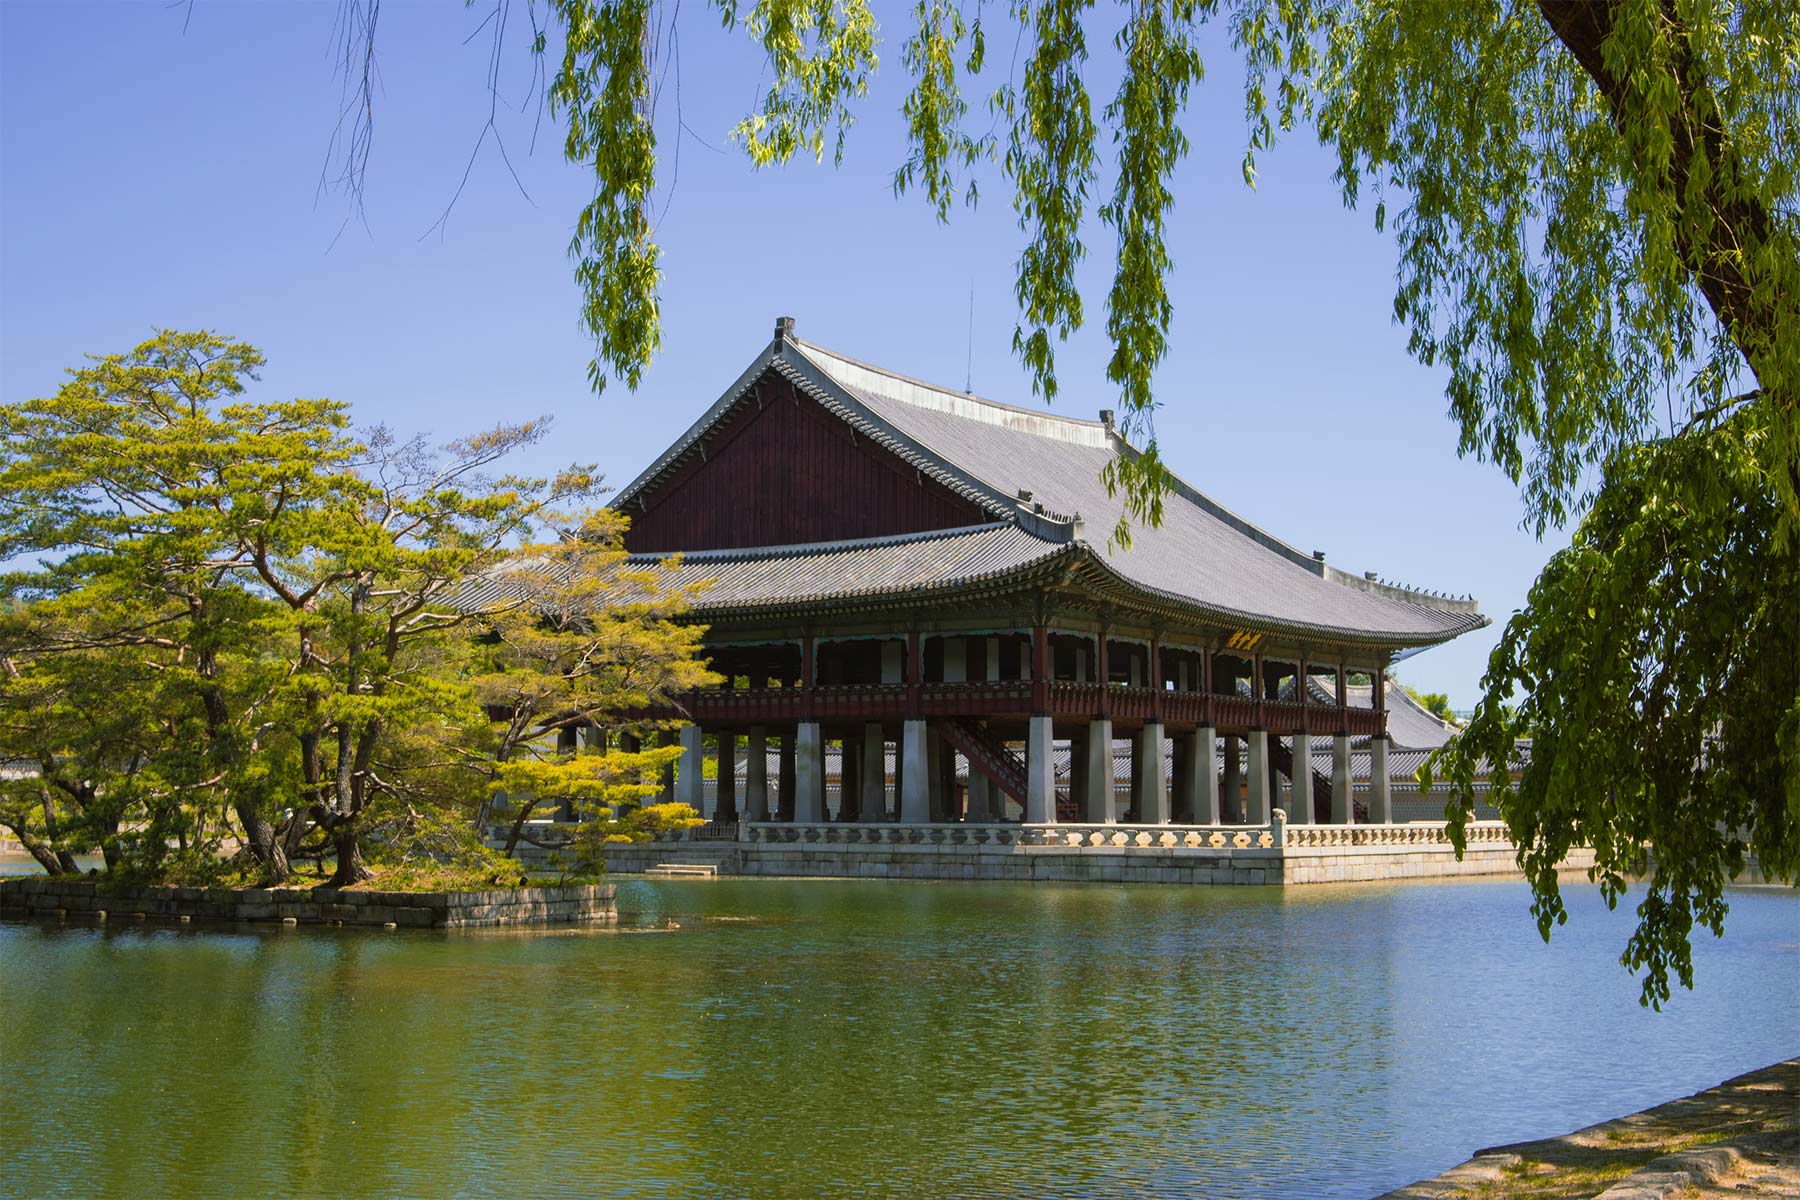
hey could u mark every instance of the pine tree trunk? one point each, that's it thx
(263, 842)
(350, 866)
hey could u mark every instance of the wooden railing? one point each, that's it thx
(894, 702)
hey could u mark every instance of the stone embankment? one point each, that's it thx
(37, 896)
(1740, 1139)
(1278, 853)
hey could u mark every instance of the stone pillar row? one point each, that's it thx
(1199, 792)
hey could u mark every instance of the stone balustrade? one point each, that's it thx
(962, 833)
(1424, 833)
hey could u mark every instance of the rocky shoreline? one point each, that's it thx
(1739, 1139)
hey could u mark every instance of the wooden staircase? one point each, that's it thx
(987, 754)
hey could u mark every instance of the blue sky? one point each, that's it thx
(156, 175)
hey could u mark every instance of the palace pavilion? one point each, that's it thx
(919, 614)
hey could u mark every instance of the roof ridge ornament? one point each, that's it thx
(784, 330)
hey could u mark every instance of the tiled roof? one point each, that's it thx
(870, 568)
(774, 577)
(1203, 558)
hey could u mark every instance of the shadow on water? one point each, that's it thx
(818, 1038)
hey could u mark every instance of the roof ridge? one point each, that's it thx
(1095, 433)
(960, 404)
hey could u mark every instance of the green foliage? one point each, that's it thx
(821, 53)
(602, 90)
(227, 610)
(627, 823)
(1435, 703)
(1658, 660)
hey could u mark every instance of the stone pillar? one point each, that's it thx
(1342, 811)
(785, 769)
(1150, 782)
(809, 774)
(1300, 812)
(690, 782)
(1040, 771)
(915, 774)
(874, 780)
(756, 774)
(849, 779)
(940, 761)
(1203, 771)
(981, 810)
(1097, 808)
(1256, 801)
(725, 794)
(1233, 788)
(1381, 796)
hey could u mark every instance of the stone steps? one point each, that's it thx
(684, 870)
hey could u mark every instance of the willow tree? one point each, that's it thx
(1594, 208)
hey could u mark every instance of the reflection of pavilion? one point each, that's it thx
(921, 577)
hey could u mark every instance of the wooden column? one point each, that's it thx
(915, 670)
(1257, 686)
(1206, 684)
(1103, 669)
(1156, 679)
(1343, 696)
(1300, 685)
(1040, 669)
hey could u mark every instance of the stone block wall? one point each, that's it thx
(45, 897)
(1359, 864)
(1427, 857)
(1098, 864)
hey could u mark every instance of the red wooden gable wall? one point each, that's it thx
(789, 472)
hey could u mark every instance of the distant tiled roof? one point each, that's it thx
(1202, 559)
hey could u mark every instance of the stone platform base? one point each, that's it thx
(37, 896)
(1092, 853)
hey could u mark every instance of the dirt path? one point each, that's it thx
(1740, 1139)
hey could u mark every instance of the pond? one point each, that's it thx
(817, 1038)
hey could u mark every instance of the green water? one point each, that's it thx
(861, 1039)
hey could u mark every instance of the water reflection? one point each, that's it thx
(862, 1038)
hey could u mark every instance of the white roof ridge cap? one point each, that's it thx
(951, 395)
